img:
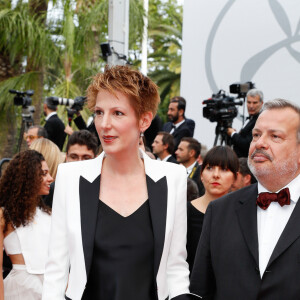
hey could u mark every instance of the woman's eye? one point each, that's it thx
(98, 112)
(118, 113)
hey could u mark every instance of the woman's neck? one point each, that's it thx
(202, 202)
(123, 164)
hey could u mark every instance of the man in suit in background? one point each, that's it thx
(189, 122)
(244, 177)
(187, 154)
(163, 147)
(177, 125)
(241, 141)
(250, 241)
(54, 126)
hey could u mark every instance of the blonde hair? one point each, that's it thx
(50, 152)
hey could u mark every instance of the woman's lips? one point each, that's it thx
(108, 138)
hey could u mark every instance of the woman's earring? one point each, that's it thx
(141, 134)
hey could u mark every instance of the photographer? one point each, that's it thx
(54, 126)
(241, 141)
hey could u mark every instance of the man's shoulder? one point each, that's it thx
(241, 196)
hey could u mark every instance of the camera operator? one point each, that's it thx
(54, 126)
(241, 141)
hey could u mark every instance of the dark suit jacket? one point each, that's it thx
(241, 141)
(191, 124)
(172, 160)
(182, 131)
(55, 130)
(227, 265)
(196, 177)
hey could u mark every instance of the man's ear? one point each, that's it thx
(192, 153)
(181, 112)
(145, 121)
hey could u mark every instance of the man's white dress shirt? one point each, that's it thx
(272, 221)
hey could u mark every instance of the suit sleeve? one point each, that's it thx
(57, 266)
(203, 279)
(79, 122)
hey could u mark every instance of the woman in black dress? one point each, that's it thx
(119, 220)
(218, 173)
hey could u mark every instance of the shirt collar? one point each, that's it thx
(178, 124)
(293, 186)
(190, 168)
(50, 115)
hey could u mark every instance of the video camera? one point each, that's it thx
(22, 98)
(221, 108)
(241, 88)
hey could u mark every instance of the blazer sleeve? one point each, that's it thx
(203, 279)
(57, 266)
(177, 267)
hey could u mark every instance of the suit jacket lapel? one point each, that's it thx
(158, 193)
(89, 199)
(247, 216)
(290, 233)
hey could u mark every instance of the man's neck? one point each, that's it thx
(189, 163)
(277, 183)
(163, 155)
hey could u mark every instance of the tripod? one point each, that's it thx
(221, 133)
(27, 121)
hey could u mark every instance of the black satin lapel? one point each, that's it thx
(158, 198)
(290, 233)
(247, 216)
(89, 199)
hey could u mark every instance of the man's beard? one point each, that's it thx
(284, 168)
(173, 119)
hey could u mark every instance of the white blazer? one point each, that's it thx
(74, 217)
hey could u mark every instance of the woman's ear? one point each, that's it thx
(145, 121)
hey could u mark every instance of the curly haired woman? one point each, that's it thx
(25, 225)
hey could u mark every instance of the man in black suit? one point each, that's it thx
(163, 147)
(54, 126)
(241, 141)
(177, 125)
(189, 122)
(187, 154)
(250, 242)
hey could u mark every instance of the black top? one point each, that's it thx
(123, 257)
(194, 228)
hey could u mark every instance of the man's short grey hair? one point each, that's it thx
(281, 104)
(256, 92)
